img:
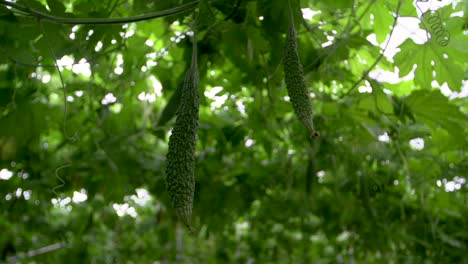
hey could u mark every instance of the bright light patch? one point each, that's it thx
(149, 97)
(142, 197)
(19, 192)
(308, 13)
(458, 14)
(149, 43)
(46, 78)
(65, 201)
(326, 44)
(79, 197)
(79, 93)
(444, 89)
(261, 18)
(24, 175)
(249, 143)
(424, 5)
(384, 137)
(344, 236)
(219, 101)
(387, 91)
(108, 99)
(124, 209)
(456, 184)
(240, 106)
(5, 174)
(98, 46)
(61, 203)
(321, 174)
(211, 94)
(151, 55)
(118, 70)
(242, 228)
(372, 38)
(70, 98)
(417, 143)
(82, 67)
(151, 63)
(128, 34)
(65, 62)
(120, 60)
(390, 77)
(164, 52)
(157, 86)
(27, 194)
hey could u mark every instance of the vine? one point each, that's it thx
(100, 21)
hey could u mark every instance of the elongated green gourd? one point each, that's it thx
(295, 82)
(180, 171)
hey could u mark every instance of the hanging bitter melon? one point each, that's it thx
(295, 82)
(180, 171)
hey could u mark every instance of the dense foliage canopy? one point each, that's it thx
(83, 152)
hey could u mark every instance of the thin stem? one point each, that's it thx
(100, 21)
(36, 252)
(366, 73)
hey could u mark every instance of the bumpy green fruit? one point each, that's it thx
(180, 172)
(295, 82)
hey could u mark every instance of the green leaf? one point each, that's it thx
(260, 44)
(338, 4)
(434, 109)
(382, 20)
(407, 8)
(33, 4)
(377, 17)
(7, 15)
(432, 59)
(56, 7)
(443, 141)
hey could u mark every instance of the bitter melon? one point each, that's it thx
(294, 78)
(180, 171)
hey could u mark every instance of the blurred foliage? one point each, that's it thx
(384, 183)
